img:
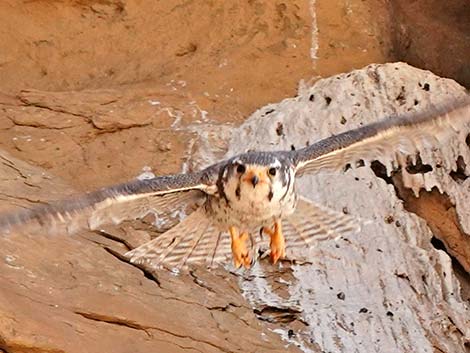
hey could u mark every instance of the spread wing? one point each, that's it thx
(167, 197)
(404, 134)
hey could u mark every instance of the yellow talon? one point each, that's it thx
(240, 252)
(278, 244)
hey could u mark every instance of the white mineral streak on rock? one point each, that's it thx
(314, 46)
(399, 293)
(259, 291)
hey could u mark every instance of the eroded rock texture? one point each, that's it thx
(95, 91)
(387, 289)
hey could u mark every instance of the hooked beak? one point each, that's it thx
(254, 177)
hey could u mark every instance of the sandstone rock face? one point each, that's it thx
(433, 35)
(98, 86)
(95, 92)
(109, 135)
(387, 289)
(220, 49)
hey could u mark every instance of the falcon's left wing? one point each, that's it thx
(168, 197)
(400, 134)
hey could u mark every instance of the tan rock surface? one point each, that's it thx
(94, 92)
(386, 289)
(237, 49)
(140, 82)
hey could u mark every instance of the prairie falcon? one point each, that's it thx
(232, 206)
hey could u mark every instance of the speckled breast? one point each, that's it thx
(249, 214)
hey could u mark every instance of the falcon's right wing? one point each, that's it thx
(167, 197)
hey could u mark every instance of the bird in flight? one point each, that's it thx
(229, 208)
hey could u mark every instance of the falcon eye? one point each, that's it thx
(241, 169)
(272, 171)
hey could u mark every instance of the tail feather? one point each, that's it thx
(312, 223)
(221, 248)
(195, 240)
(192, 244)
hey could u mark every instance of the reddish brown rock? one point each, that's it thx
(93, 92)
(433, 35)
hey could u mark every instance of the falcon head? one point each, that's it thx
(256, 178)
